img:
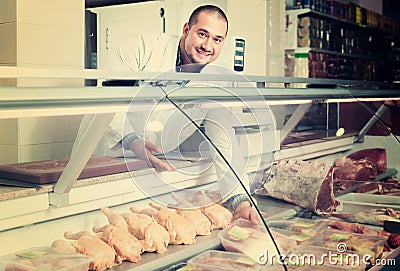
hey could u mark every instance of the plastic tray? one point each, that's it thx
(329, 258)
(183, 267)
(223, 260)
(346, 241)
(244, 237)
(301, 226)
(44, 259)
(298, 239)
(371, 199)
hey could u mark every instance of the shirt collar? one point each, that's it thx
(178, 64)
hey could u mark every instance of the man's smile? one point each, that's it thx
(203, 52)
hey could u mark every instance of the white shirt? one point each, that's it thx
(158, 53)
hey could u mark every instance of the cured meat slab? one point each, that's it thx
(307, 184)
(49, 171)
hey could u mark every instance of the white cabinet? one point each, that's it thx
(119, 24)
(40, 34)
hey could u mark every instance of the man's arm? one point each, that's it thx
(241, 207)
(144, 150)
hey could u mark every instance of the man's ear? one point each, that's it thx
(185, 28)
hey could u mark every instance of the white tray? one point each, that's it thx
(371, 199)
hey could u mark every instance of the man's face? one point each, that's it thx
(203, 41)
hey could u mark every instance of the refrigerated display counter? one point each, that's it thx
(305, 124)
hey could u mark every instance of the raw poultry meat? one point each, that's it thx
(117, 235)
(126, 245)
(180, 229)
(187, 210)
(46, 259)
(114, 218)
(153, 236)
(219, 216)
(183, 230)
(103, 255)
(64, 245)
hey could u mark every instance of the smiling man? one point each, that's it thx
(203, 36)
(200, 43)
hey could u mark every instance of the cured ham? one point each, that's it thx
(307, 184)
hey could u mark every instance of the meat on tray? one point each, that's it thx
(104, 256)
(152, 235)
(372, 216)
(390, 186)
(117, 235)
(194, 214)
(308, 184)
(219, 216)
(359, 166)
(126, 245)
(180, 229)
(393, 241)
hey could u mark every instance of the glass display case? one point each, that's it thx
(269, 124)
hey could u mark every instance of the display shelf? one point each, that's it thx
(74, 205)
(103, 102)
(339, 47)
(307, 11)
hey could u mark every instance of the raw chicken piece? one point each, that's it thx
(126, 245)
(64, 245)
(114, 218)
(219, 216)
(180, 229)
(103, 255)
(194, 215)
(152, 235)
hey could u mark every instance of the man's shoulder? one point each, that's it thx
(158, 38)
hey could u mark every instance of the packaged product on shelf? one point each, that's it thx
(370, 247)
(328, 258)
(244, 237)
(45, 258)
(308, 227)
(222, 260)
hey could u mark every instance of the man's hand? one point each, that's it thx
(144, 150)
(244, 210)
